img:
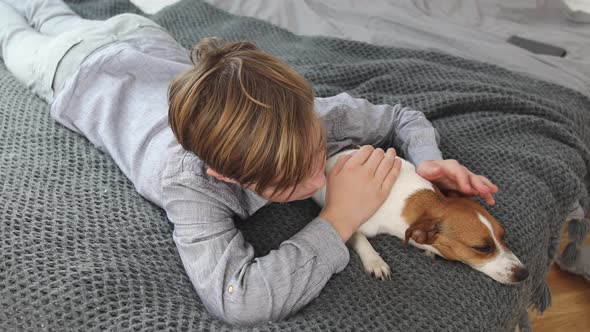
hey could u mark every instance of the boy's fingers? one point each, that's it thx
(385, 165)
(376, 157)
(489, 199)
(463, 183)
(342, 159)
(489, 183)
(361, 155)
(479, 185)
(392, 176)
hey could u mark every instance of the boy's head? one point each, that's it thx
(251, 119)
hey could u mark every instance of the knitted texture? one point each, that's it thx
(81, 250)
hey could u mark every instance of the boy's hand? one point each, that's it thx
(357, 186)
(449, 174)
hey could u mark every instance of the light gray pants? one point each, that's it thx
(43, 42)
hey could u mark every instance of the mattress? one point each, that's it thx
(82, 250)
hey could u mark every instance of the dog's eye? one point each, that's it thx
(483, 249)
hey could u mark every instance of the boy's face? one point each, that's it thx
(309, 186)
(305, 189)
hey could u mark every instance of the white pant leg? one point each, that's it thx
(56, 57)
(22, 47)
(50, 17)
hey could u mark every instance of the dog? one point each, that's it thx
(455, 228)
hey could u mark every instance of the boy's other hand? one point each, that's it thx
(451, 175)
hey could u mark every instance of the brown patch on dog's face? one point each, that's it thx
(451, 225)
(464, 237)
(460, 229)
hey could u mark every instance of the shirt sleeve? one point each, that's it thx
(351, 120)
(233, 284)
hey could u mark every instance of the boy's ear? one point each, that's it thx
(423, 231)
(218, 176)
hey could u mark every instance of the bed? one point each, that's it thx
(471, 29)
(81, 250)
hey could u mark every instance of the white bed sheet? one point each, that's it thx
(475, 29)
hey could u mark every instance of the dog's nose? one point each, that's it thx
(519, 273)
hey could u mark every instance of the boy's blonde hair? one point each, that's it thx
(247, 115)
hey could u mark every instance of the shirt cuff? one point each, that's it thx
(321, 237)
(419, 154)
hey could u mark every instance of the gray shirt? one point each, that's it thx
(118, 100)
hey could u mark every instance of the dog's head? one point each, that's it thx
(462, 230)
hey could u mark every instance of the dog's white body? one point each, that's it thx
(388, 219)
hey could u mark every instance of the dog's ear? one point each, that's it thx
(423, 231)
(437, 190)
(448, 192)
(454, 193)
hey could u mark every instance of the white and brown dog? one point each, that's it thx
(455, 228)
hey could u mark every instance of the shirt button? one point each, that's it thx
(230, 289)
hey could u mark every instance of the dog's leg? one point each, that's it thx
(429, 254)
(372, 262)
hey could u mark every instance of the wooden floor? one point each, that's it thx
(570, 309)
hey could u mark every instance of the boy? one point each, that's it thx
(222, 136)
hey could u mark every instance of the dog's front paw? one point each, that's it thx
(378, 268)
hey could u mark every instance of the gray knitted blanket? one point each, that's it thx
(81, 250)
